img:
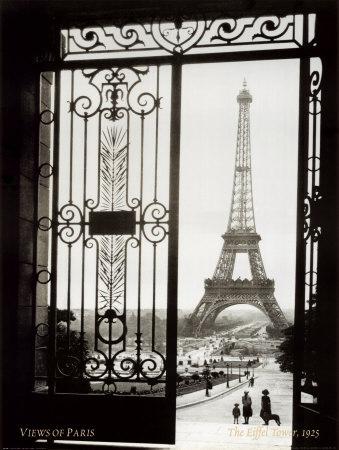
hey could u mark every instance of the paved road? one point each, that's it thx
(210, 424)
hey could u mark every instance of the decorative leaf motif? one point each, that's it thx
(113, 179)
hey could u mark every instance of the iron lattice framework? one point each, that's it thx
(241, 237)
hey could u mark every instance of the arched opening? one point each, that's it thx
(240, 320)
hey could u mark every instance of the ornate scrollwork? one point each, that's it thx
(246, 30)
(315, 82)
(93, 363)
(312, 216)
(229, 30)
(273, 28)
(68, 365)
(315, 87)
(125, 37)
(154, 366)
(114, 92)
(154, 225)
(148, 366)
(85, 106)
(70, 226)
(132, 241)
(124, 365)
(91, 39)
(90, 242)
(116, 327)
(179, 35)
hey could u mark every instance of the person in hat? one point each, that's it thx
(246, 407)
(236, 413)
(265, 412)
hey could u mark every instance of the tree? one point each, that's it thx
(273, 332)
(146, 328)
(71, 352)
(62, 315)
(311, 348)
(286, 357)
(245, 352)
(195, 377)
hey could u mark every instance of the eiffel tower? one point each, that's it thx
(222, 290)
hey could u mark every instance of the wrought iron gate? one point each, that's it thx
(109, 230)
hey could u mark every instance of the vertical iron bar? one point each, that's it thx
(154, 292)
(142, 119)
(155, 199)
(299, 315)
(35, 215)
(69, 270)
(156, 139)
(98, 249)
(82, 310)
(71, 140)
(70, 202)
(311, 243)
(54, 249)
(126, 242)
(172, 282)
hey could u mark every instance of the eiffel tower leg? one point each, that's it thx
(196, 318)
(256, 264)
(274, 312)
(209, 317)
(225, 266)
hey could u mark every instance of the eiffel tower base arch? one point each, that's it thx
(220, 295)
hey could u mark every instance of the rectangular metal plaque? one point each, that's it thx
(112, 222)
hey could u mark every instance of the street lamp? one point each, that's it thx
(206, 373)
(253, 373)
(231, 369)
(247, 371)
(239, 375)
(227, 382)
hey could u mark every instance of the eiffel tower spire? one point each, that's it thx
(241, 214)
(241, 237)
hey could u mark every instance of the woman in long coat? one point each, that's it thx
(246, 407)
(265, 412)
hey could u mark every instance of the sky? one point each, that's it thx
(208, 145)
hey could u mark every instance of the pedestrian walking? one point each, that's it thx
(265, 412)
(251, 382)
(236, 413)
(246, 407)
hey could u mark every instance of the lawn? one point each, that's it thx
(183, 388)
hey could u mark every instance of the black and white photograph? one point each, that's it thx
(169, 224)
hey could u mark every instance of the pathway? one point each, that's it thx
(209, 425)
